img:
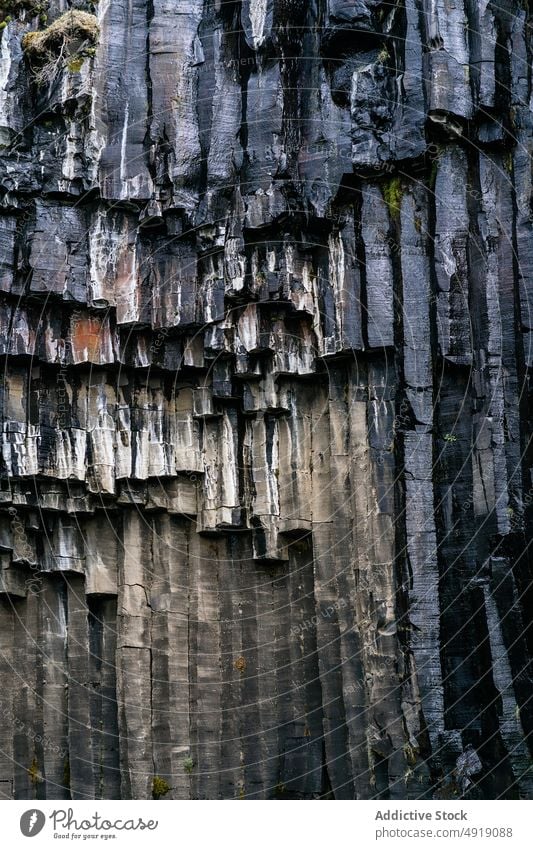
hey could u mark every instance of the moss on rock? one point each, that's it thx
(10, 9)
(160, 787)
(392, 192)
(71, 27)
(67, 42)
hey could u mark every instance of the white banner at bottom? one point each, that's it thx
(277, 825)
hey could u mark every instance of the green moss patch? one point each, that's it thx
(160, 787)
(392, 193)
(10, 9)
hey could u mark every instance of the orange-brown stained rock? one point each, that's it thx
(86, 338)
(90, 339)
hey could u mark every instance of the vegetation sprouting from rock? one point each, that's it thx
(10, 9)
(65, 43)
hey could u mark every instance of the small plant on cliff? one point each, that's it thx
(65, 43)
(34, 772)
(383, 54)
(450, 437)
(10, 9)
(408, 774)
(240, 665)
(410, 754)
(188, 765)
(392, 193)
(160, 787)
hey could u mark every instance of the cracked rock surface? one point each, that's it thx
(266, 290)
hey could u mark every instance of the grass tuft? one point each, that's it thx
(65, 43)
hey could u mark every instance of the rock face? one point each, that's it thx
(266, 289)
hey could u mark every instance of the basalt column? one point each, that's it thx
(266, 291)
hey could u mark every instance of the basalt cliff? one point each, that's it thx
(266, 279)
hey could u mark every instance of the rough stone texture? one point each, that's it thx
(266, 279)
